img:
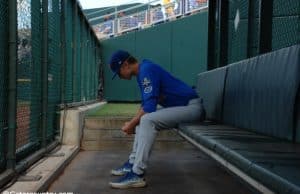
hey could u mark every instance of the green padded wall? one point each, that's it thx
(189, 47)
(118, 90)
(155, 44)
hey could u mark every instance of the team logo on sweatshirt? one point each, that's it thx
(146, 82)
(147, 85)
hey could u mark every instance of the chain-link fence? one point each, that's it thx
(28, 79)
(243, 29)
(3, 80)
(54, 68)
(237, 30)
(72, 63)
(285, 23)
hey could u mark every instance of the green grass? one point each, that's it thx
(114, 109)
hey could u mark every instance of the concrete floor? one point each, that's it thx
(178, 171)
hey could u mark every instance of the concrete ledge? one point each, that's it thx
(72, 123)
(98, 123)
(48, 169)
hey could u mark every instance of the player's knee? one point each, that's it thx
(146, 119)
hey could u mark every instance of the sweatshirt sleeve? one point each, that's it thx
(150, 90)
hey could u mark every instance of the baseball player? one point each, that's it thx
(179, 102)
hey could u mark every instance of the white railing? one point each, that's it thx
(133, 21)
(156, 14)
(157, 11)
(195, 5)
(105, 29)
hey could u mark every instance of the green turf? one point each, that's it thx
(114, 109)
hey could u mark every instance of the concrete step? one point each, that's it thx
(115, 139)
(100, 134)
(105, 122)
(123, 144)
(103, 133)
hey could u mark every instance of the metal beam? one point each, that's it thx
(251, 25)
(224, 14)
(266, 14)
(74, 51)
(211, 63)
(63, 50)
(44, 71)
(12, 83)
(82, 62)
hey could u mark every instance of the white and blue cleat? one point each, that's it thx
(125, 168)
(129, 180)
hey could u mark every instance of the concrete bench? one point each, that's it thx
(253, 120)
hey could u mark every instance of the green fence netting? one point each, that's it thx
(93, 62)
(88, 66)
(78, 58)
(3, 80)
(54, 66)
(237, 30)
(28, 76)
(286, 23)
(80, 78)
(84, 64)
(75, 79)
(96, 72)
(81, 53)
(72, 76)
(81, 39)
(92, 70)
(69, 52)
(243, 38)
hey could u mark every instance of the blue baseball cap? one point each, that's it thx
(116, 61)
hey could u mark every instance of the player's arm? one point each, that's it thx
(129, 127)
(150, 92)
(148, 106)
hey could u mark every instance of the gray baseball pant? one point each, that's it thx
(162, 119)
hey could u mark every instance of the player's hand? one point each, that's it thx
(128, 128)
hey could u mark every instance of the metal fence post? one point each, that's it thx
(74, 52)
(12, 83)
(44, 71)
(251, 32)
(83, 56)
(63, 51)
(265, 28)
(212, 14)
(116, 24)
(224, 12)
